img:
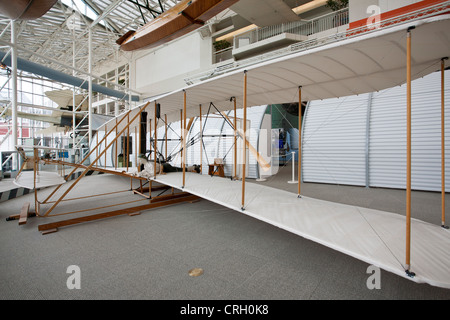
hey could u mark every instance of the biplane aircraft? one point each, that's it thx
(362, 59)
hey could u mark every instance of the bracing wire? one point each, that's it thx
(272, 177)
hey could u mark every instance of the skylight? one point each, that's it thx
(83, 8)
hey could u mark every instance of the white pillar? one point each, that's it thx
(73, 99)
(14, 90)
(293, 169)
(90, 88)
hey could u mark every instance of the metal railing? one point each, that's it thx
(423, 13)
(223, 55)
(305, 28)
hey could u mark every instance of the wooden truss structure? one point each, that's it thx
(145, 192)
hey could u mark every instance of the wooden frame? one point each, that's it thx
(86, 169)
(157, 201)
(408, 155)
(53, 226)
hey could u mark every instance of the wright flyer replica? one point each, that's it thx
(365, 58)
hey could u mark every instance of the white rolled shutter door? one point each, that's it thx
(334, 140)
(387, 160)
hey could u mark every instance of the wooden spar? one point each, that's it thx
(408, 152)
(165, 139)
(184, 138)
(156, 142)
(185, 197)
(443, 143)
(201, 140)
(261, 161)
(184, 17)
(299, 162)
(181, 133)
(87, 156)
(235, 141)
(244, 146)
(93, 162)
(189, 124)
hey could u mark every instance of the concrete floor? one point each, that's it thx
(149, 256)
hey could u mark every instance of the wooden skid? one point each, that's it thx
(24, 213)
(185, 197)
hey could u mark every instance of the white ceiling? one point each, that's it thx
(265, 12)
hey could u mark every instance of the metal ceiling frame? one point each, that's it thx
(61, 29)
(64, 34)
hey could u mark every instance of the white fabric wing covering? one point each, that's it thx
(373, 236)
(43, 179)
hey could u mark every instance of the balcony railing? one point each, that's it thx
(223, 55)
(320, 40)
(305, 28)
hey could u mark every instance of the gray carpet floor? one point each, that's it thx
(149, 256)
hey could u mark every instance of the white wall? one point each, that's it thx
(358, 8)
(163, 69)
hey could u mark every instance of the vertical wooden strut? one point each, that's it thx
(443, 143)
(184, 137)
(201, 140)
(86, 157)
(181, 135)
(93, 162)
(165, 134)
(156, 141)
(235, 141)
(408, 154)
(244, 146)
(299, 169)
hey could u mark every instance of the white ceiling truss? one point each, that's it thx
(59, 39)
